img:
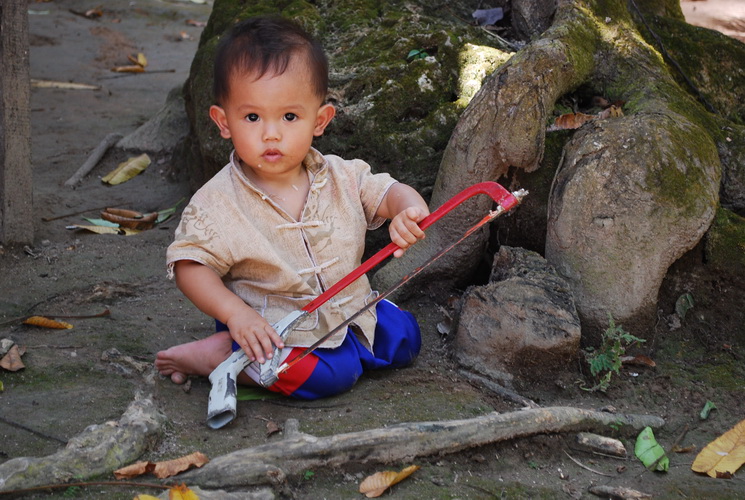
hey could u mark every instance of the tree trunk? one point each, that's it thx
(633, 194)
(16, 214)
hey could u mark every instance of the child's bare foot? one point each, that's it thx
(200, 357)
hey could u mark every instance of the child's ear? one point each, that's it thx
(218, 116)
(323, 118)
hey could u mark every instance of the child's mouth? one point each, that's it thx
(272, 155)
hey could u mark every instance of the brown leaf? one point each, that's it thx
(47, 323)
(272, 428)
(570, 121)
(639, 360)
(12, 360)
(130, 218)
(173, 467)
(611, 112)
(134, 470)
(162, 470)
(375, 485)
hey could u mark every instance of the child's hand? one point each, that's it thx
(255, 336)
(404, 230)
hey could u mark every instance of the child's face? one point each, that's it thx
(272, 120)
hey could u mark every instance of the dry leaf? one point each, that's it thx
(173, 467)
(134, 470)
(12, 360)
(52, 84)
(127, 169)
(611, 112)
(134, 68)
(162, 470)
(139, 59)
(181, 492)
(375, 485)
(639, 360)
(130, 218)
(570, 121)
(723, 456)
(272, 428)
(46, 323)
(145, 497)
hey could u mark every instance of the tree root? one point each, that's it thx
(271, 462)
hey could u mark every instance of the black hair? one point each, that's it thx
(260, 45)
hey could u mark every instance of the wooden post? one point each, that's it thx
(16, 207)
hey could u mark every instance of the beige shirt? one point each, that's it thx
(277, 264)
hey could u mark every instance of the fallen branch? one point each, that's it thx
(499, 390)
(270, 462)
(99, 449)
(93, 159)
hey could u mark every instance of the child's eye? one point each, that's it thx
(290, 117)
(252, 117)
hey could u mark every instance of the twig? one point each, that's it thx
(93, 159)
(63, 216)
(84, 484)
(586, 467)
(32, 431)
(106, 312)
(499, 390)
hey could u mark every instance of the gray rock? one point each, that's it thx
(523, 318)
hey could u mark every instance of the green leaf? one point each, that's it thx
(707, 409)
(165, 214)
(2, 387)
(650, 452)
(417, 54)
(255, 394)
(683, 305)
(101, 222)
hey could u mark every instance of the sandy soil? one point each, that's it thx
(67, 385)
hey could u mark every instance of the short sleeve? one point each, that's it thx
(198, 238)
(373, 188)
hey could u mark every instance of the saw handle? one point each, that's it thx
(497, 193)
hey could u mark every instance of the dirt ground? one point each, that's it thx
(67, 386)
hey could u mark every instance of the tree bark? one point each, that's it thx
(16, 208)
(504, 126)
(270, 462)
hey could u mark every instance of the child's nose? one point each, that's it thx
(271, 132)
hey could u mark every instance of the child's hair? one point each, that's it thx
(261, 45)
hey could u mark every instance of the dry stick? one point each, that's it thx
(586, 467)
(93, 159)
(81, 485)
(32, 431)
(64, 216)
(105, 312)
(498, 389)
(264, 463)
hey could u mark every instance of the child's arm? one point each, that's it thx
(206, 290)
(405, 207)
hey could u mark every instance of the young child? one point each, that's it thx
(281, 223)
